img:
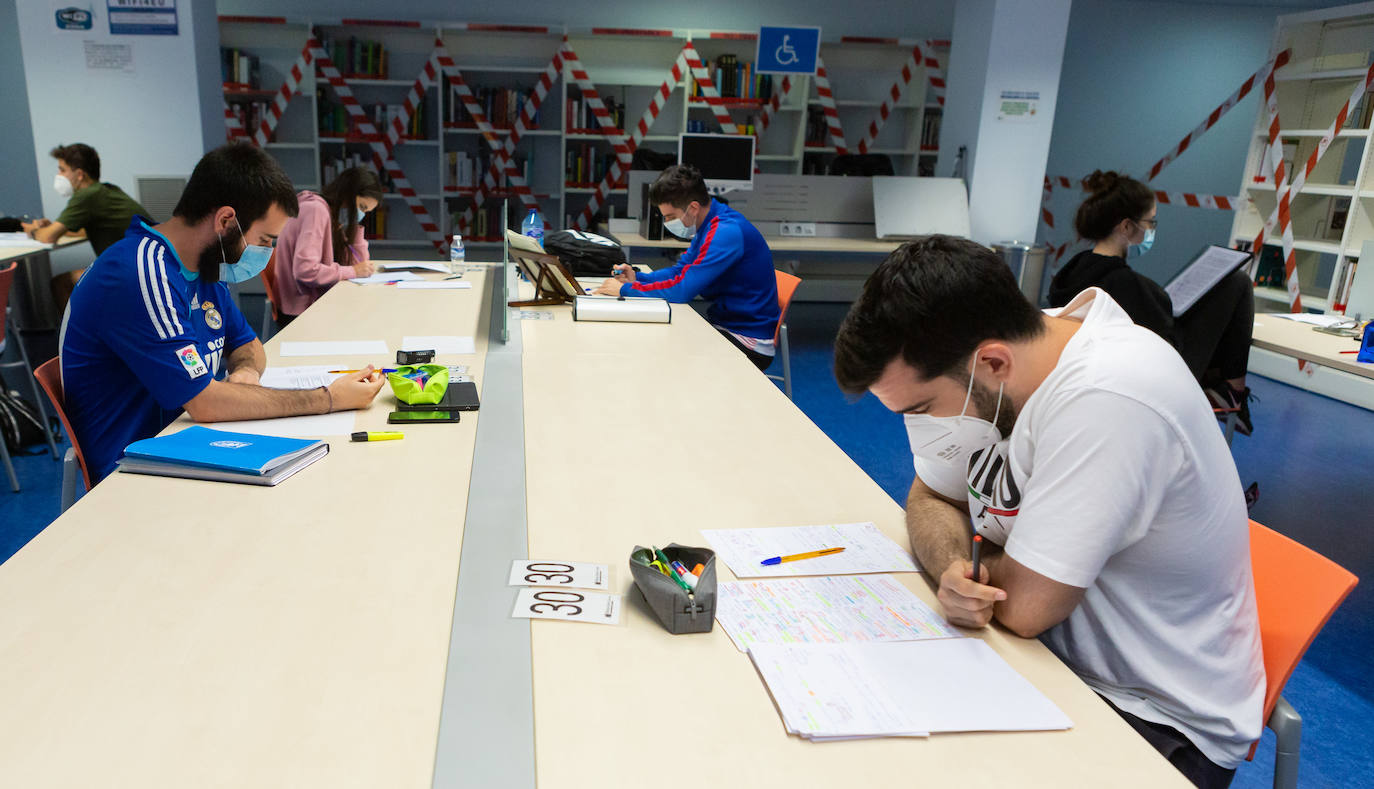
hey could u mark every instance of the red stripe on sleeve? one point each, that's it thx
(701, 255)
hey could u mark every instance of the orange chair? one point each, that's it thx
(1296, 591)
(269, 284)
(787, 287)
(49, 375)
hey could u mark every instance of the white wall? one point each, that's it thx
(888, 18)
(145, 123)
(1136, 78)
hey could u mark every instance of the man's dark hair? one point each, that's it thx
(1111, 198)
(931, 302)
(79, 156)
(678, 186)
(240, 176)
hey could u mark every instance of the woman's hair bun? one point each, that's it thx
(1101, 181)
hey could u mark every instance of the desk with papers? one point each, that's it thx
(168, 632)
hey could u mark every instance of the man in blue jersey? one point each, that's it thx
(151, 328)
(727, 263)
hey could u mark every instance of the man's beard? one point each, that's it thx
(213, 255)
(983, 404)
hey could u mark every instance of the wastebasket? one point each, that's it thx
(1027, 264)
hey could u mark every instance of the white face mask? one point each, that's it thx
(677, 228)
(62, 186)
(941, 445)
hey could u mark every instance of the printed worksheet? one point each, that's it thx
(305, 376)
(825, 610)
(866, 550)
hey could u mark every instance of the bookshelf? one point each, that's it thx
(443, 153)
(1334, 213)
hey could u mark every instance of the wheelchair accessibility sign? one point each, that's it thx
(788, 50)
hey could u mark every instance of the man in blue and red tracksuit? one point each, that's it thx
(727, 263)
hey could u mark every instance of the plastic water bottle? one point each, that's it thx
(456, 255)
(533, 226)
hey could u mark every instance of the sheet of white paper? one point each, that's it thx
(568, 605)
(443, 284)
(580, 575)
(866, 550)
(336, 348)
(309, 376)
(440, 344)
(1310, 318)
(402, 265)
(339, 423)
(381, 279)
(899, 688)
(825, 610)
(20, 240)
(1199, 276)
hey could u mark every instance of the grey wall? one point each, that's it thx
(1138, 76)
(890, 18)
(21, 193)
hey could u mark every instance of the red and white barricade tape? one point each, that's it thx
(1217, 202)
(289, 88)
(913, 62)
(832, 114)
(1046, 215)
(935, 74)
(503, 147)
(1283, 211)
(619, 142)
(233, 126)
(709, 93)
(380, 144)
(1259, 77)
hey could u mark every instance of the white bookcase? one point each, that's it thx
(1334, 213)
(625, 67)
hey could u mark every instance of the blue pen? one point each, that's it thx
(795, 556)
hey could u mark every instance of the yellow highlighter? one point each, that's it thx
(375, 435)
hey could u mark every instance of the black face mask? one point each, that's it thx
(219, 251)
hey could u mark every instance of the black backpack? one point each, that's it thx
(585, 254)
(20, 425)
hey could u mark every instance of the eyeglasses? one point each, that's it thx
(1152, 223)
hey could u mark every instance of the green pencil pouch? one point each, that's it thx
(423, 384)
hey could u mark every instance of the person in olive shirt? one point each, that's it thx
(100, 210)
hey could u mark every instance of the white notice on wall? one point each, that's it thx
(1018, 105)
(109, 57)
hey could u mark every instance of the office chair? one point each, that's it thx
(787, 287)
(49, 376)
(1296, 591)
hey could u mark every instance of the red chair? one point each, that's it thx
(269, 284)
(49, 376)
(787, 287)
(1296, 591)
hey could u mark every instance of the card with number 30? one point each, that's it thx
(568, 605)
(578, 575)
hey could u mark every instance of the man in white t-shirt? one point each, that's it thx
(1080, 448)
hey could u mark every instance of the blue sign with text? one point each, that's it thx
(142, 17)
(788, 50)
(73, 18)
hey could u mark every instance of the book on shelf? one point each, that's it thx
(486, 221)
(581, 119)
(374, 224)
(930, 129)
(737, 79)
(335, 120)
(501, 107)
(331, 166)
(250, 115)
(586, 165)
(464, 170)
(358, 58)
(239, 70)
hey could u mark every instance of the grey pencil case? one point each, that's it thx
(678, 611)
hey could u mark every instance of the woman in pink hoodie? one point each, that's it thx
(324, 243)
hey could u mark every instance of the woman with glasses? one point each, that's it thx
(1213, 336)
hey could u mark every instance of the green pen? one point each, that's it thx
(672, 573)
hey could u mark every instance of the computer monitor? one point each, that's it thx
(726, 161)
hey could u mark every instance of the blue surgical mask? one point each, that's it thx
(1136, 250)
(679, 228)
(250, 263)
(361, 214)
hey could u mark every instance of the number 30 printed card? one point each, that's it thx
(579, 575)
(566, 604)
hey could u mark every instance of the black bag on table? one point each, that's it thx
(585, 254)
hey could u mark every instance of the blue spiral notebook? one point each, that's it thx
(203, 453)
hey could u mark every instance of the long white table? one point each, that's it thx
(351, 627)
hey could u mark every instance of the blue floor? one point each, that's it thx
(1311, 456)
